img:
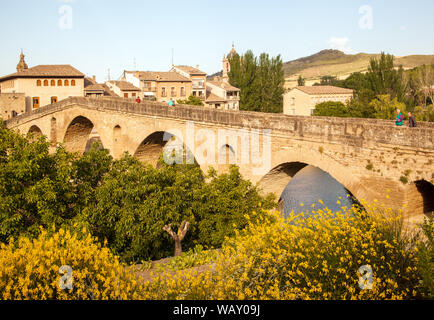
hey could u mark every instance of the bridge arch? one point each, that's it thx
(282, 172)
(227, 156)
(35, 131)
(151, 148)
(421, 194)
(117, 141)
(80, 134)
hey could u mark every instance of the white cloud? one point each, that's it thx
(341, 44)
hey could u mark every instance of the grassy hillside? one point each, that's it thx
(337, 63)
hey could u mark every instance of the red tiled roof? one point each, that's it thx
(211, 97)
(41, 71)
(125, 85)
(192, 71)
(94, 87)
(314, 90)
(224, 85)
(161, 76)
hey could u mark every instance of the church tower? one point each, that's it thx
(22, 65)
(227, 65)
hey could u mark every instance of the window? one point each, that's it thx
(53, 99)
(53, 83)
(293, 112)
(39, 83)
(45, 83)
(173, 92)
(66, 83)
(126, 95)
(182, 91)
(35, 102)
(163, 92)
(293, 101)
(133, 94)
(73, 83)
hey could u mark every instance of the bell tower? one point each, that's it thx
(22, 65)
(226, 64)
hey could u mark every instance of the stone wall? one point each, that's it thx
(353, 132)
(10, 103)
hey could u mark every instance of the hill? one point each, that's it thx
(337, 63)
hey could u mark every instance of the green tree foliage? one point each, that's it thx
(383, 89)
(301, 81)
(328, 81)
(331, 109)
(385, 107)
(192, 100)
(35, 186)
(260, 79)
(424, 114)
(135, 202)
(124, 201)
(383, 78)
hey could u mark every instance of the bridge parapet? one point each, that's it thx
(349, 131)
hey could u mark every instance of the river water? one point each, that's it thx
(308, 186)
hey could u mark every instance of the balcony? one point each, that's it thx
(150, 89)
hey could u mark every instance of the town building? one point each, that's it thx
(160, 86)
(93, 89)
(302, 100)
(197, 77)
(221, 95)
(124, 89)
(32, 88)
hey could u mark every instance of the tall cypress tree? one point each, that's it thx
(260, 80)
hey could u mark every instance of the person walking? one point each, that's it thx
(399, 118)
(138, 100)
(171, 102)
(411, 120)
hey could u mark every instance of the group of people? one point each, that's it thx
(400, 119)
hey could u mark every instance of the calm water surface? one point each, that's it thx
(311, 184)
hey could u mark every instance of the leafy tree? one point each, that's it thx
(301, 81)
(192, 100)
(260, 79)
(331, 109)
(35, 186)
(385, 107)
(424, 114)
(358, 109)
(384, 79)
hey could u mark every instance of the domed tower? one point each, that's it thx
(226, 64)
(22, 65)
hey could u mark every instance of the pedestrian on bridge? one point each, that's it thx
(399, 118)
(411, 120)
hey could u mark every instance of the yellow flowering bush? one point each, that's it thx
(305, 257)
(29, 269)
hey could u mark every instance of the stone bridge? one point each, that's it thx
(371, 158)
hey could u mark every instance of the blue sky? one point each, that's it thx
(113, 34)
